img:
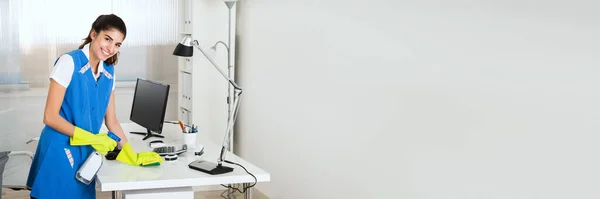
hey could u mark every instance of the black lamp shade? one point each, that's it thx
(183, 51)
(184, 48)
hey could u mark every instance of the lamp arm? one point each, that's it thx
(236, 103)
(237, 92)
(195, 43)
(224, 44)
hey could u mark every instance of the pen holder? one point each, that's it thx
(190, 140)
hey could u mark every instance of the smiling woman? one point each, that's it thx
(80, 98)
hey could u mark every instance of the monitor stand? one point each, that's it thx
(148, 134)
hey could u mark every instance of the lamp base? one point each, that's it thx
(209, 167)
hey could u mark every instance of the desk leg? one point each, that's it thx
(248, 192)
(114, 194)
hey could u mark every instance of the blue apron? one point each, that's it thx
(52, 172)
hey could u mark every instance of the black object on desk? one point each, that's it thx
(209, 167)
(112, 155)
(170, 150)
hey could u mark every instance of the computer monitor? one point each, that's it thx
(149, 107)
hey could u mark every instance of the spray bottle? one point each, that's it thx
(92, 164)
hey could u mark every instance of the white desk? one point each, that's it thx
(173, 179)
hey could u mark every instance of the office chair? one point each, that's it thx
(15, 159)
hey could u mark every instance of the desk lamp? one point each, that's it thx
(229, 4)
(185, 49)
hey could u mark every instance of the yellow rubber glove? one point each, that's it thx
(101, 142)
(128, 156)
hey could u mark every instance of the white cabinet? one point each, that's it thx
(186, 25)
(185, 77)
(188, 65)
(186, 89)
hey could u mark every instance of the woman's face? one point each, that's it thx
(106, 43)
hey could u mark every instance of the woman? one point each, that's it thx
(80, 96)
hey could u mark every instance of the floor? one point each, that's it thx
(10, 194)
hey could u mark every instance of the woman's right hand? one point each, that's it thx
(101, 141)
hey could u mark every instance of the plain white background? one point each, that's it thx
(430, 99)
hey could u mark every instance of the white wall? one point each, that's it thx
(435, 99)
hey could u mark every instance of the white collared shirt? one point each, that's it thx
(63, 69)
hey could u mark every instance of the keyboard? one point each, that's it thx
(170, 150)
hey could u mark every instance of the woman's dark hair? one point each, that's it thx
(106, 22)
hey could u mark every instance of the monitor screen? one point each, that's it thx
(149, 106)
